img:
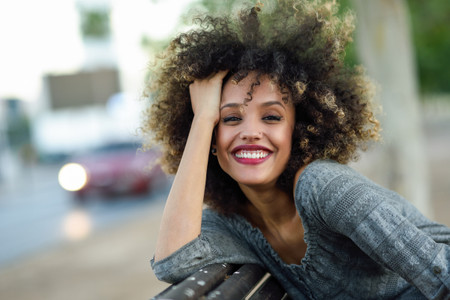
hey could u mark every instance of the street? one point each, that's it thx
(36, 213)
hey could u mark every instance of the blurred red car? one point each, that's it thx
(119, 168)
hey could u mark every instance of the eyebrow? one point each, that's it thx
(265, 104)
(270, 103)
(230, 105)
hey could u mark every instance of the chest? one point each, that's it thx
(287, 242)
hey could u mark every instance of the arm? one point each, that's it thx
(381, 223)
(181, 220)
(215, 244)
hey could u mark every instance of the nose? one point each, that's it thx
(250, 135)
(251, 128)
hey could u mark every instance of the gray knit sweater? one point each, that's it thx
(364, 242)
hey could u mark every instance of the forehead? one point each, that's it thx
(237, 93)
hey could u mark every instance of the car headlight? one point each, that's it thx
(72, 177)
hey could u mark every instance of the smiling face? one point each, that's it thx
(253, 141)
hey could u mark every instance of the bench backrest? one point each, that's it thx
(226, 281)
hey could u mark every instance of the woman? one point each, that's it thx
(258, 116)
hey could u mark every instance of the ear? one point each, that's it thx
(213, 143)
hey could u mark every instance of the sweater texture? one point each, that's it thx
(363, 242)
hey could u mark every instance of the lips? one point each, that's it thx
(251, 154)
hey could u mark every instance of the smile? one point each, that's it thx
(251, 154)
(258, 154)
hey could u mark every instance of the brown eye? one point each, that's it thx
(272, 118)
(231, 119)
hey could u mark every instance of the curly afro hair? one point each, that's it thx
(300, 45)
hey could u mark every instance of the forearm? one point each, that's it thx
(181, 221)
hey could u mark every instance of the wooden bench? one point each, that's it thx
(226, 281)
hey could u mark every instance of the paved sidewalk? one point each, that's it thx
(112, 264)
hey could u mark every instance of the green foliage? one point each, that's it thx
(95, 23)
(351, 57)
(430, 29)
(431, 34)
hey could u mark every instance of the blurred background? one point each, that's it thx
(80, 204)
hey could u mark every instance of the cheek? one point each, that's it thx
(224, 143)
(222, 146)
(224, 136)
(283, 137)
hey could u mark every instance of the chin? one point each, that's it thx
(254, 182)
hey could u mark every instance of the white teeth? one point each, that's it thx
(258, 154)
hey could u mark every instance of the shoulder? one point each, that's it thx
(323, 183)
(319, 174)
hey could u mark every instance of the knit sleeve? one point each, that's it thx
(380, 222)
(215, 244)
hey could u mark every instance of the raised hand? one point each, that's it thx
(205, 96)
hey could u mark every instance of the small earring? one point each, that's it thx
(213, 151)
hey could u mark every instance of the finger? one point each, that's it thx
(222, 74)
(218, 75)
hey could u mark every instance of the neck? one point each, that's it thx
(268, 206)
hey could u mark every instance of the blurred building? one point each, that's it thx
(73, 115)
(85, 88)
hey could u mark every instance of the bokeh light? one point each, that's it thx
(72, 177)
(77, 225)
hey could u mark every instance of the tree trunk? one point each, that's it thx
(384, 45)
